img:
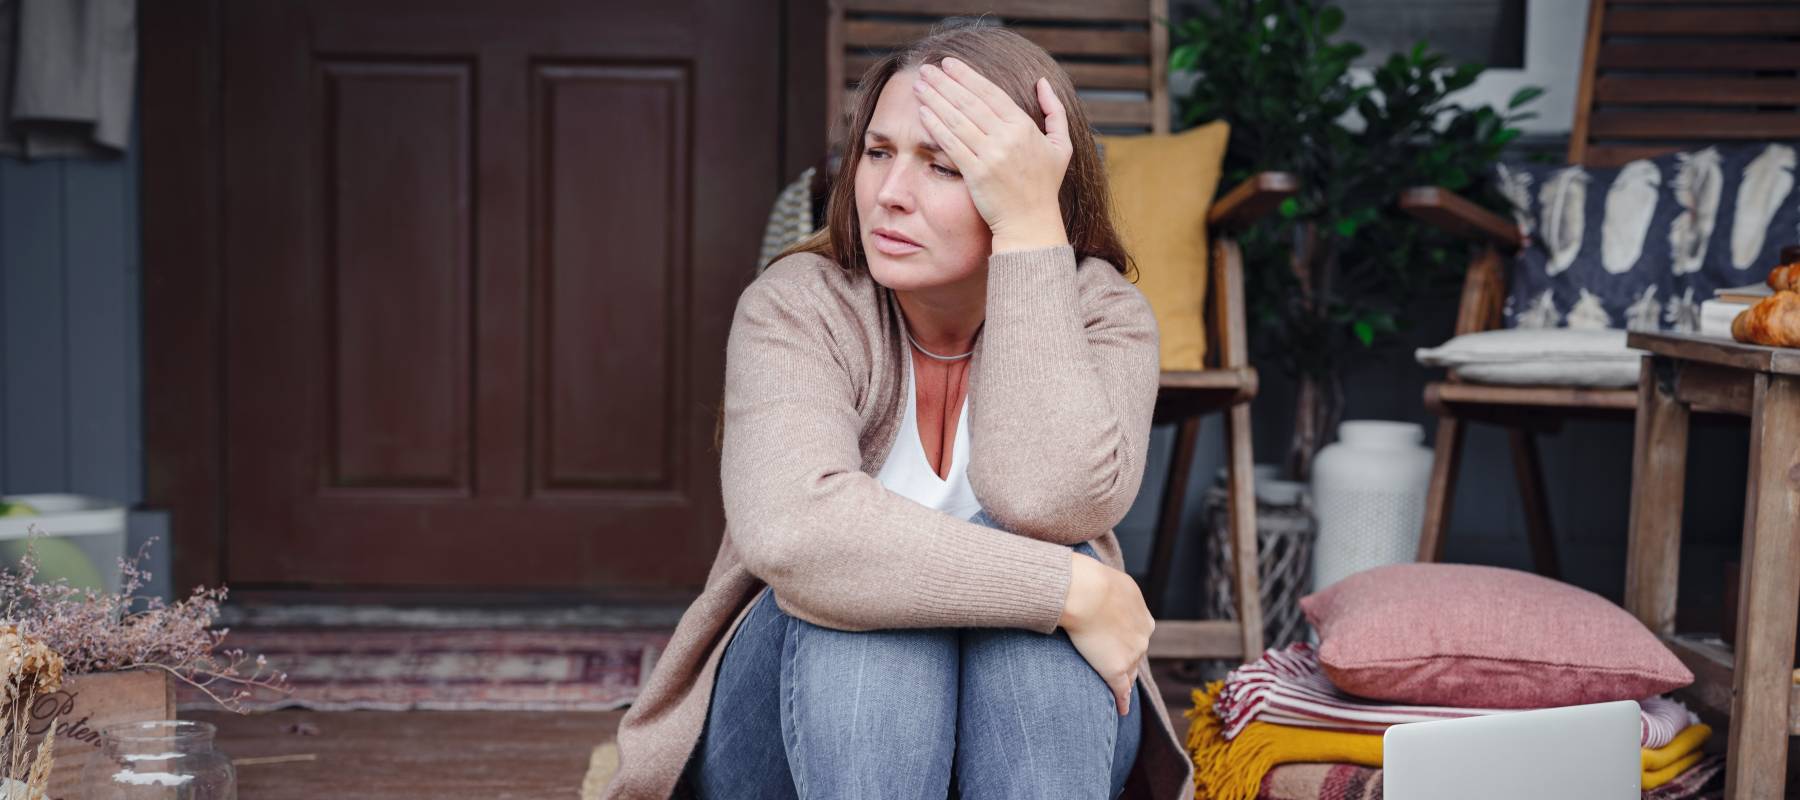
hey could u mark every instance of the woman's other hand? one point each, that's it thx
(1014, 171)
(1109, 624)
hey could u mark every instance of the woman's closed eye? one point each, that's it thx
(876, 153)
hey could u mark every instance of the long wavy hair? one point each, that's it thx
(1014, 64)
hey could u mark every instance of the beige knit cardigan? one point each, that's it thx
(1061, 390)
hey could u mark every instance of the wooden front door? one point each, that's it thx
(479, 260)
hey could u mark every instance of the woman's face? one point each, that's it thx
(907, 187)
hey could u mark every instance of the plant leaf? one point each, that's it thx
(1331, 18)
(1184, 57)
(1523, 96)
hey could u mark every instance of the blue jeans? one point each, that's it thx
(801, 711)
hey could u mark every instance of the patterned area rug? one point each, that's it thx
(392, 669)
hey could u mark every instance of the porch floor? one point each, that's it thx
(389, 755)
(402, 755)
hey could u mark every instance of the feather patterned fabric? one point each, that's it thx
(1683, 313)
(1630, 204)
(1669, 232)
(1646, 313)
(1588, 313)
(1767, 181)
(1515, 186)
(1698, 180)
(1562, 212)
(1541, 313)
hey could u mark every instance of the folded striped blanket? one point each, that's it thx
(1233, 769)
(1288, 687)
(1703, 781)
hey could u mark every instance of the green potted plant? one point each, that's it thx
(1333, 280)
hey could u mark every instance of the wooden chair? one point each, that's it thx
(1116, 55)
(1655, 79)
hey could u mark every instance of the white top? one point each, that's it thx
(908, 473)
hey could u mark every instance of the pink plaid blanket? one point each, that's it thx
(1287, 687)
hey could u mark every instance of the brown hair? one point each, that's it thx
(1014, 64)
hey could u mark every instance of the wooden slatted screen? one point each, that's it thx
(1114, 50)
(1666, 75)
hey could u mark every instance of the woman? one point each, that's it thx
(935, 411)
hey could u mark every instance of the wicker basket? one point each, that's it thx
(1284, 537)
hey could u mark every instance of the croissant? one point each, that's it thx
(1785, 277)
(1774, 321)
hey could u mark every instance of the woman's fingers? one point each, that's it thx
(1014, 171)
(1122, 695)
(959, 152)
(957, 89)
(933, 104)
(997, 101)
(1056, 117)
(1130, 691)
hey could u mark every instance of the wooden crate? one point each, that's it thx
(84, 706)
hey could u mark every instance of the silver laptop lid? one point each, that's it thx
(1590, 752)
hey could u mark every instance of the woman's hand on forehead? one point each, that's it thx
(1013, 171)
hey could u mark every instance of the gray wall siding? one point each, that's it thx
(70, 399)
(71, 333)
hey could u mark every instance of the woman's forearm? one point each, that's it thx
(1062, 396)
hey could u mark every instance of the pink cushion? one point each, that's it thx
(1483, 637)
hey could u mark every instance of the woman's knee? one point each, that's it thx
(869, 714)
(870, 669)
(1046, 667)
(1036, 718)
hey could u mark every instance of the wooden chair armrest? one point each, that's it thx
(1249, 201)
(1484, 292)
(1456, 215)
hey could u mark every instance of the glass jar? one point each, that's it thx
(159, 760)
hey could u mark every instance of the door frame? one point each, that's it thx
(183, 227)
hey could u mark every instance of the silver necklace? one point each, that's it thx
(928, 353)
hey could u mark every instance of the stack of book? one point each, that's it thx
(1716, 314)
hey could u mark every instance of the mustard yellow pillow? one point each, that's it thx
(1162, 186)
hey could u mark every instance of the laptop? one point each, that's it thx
(1587, 752)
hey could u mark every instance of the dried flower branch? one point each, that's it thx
(98, 631)
(28, 668)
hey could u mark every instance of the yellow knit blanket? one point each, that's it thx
(1234, 769)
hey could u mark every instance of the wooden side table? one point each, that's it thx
(1757, 687)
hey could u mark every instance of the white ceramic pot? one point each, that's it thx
(1369, 497)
